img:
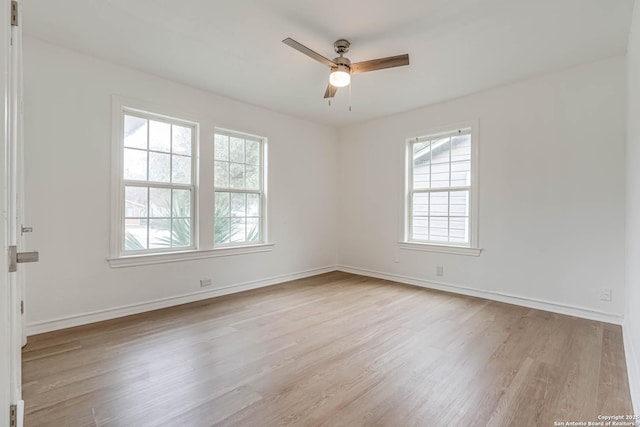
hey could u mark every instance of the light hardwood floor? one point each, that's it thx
(332, 350)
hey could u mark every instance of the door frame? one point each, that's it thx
(10, 322)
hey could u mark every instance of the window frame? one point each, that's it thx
(263, 143)
(203, 168)
(472, 248)
(118, 225)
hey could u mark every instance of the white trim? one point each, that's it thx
(203, 224)
(20, 413)
(445, 249)
(117, 129)
(8, 395)
(460, 130)
(554, 307)
(119, 216)
(633, 370)
(161, 258)
(127, 310)
(471, 127)
(262, 191)
(237, 134)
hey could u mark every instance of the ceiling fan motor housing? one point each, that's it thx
(341, 60)
(343, 64)
(341, 46)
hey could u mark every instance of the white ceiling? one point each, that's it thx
(234, 48)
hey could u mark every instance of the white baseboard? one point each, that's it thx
(126, 310)
(633, 370)
(554, 307)
(20, 414)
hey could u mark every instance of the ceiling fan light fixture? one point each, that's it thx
(341, 67)
(340, 76)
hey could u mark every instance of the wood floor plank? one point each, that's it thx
(612, 388)
(333, 350)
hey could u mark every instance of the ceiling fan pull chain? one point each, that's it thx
(350, 96)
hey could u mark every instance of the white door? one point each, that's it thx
(8, 393)
(16, 176)
(11, 276)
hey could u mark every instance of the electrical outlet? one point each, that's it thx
(205, 282)
(605, 294)
(440, 270)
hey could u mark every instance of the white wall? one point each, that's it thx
(68, 156)
(552, 198)
(632, 321)
(551, 190)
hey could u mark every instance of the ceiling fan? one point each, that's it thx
(342, 68)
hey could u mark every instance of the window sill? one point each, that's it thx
(445, 249)
(147, 259)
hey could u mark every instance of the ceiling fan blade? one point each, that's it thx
(331, 91)
(310, 53)
(380, 64)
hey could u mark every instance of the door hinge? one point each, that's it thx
(14, 13)
(22, 307)
(13, 415)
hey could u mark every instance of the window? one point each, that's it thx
(157, 183)
(161, 208)
(441, 185)
(239, 195)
